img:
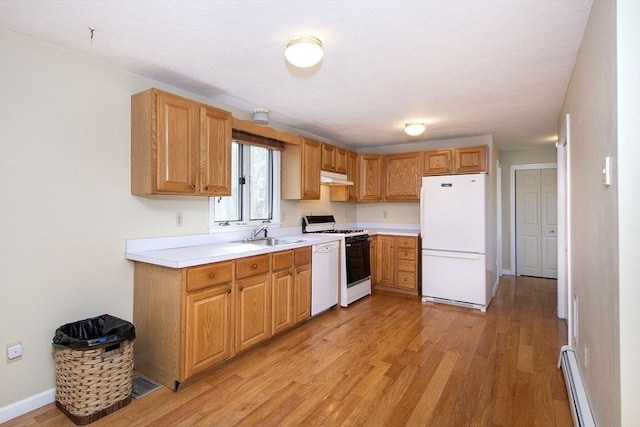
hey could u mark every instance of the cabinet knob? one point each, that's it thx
(206, 187)
(193, 186)
(254, 266)
(229, 290)
(212, 275)
(241, 287)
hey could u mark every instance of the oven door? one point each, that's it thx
(357, 260)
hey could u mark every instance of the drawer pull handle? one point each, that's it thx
(255, 266)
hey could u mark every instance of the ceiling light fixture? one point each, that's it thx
(304, 51)
(414, 129)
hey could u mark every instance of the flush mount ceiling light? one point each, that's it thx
(304, 51)
(414, 129)
(261, 116)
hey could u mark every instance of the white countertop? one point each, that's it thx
(394, 232)
(200, 254)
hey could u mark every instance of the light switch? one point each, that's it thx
(606, 171)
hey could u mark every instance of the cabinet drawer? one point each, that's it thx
(404, 265)
(282, 260)
(406, 280)
(209, 275)
(247, 267)
(303, 256)
(405, 242)
(408, 254)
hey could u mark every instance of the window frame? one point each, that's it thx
(245, 223)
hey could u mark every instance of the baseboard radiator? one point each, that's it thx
(580, 408)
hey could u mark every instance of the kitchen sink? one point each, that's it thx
(269, 241)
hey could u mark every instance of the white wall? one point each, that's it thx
(65, 203)
(591, 101)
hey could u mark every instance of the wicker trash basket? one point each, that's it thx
(95, 380)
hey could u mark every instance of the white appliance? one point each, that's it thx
(453, 229)
(325, 276)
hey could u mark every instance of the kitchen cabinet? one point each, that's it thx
(179, 146)
(183, 320)
(370, 184)
(396, 259)
(437, 162)
(302, 284)
(455, 160)
(471, 159)
(253, 301)
(282, 291)
(347, 193)
(301, 170)
(385, 260)
(334, 159)
(402, 177)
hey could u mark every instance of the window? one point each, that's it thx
(254, 184)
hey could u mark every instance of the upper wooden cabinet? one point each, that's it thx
(334, 159)
(301, 170)
(455, 160)
(179, 146)
(347, 193)
(471, 159)
(437, 162)
(370, 185)
(402, 177)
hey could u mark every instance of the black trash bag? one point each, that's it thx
(94, 332)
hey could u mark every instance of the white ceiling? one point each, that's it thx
(465, 67)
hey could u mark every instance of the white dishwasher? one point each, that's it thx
(325, 276)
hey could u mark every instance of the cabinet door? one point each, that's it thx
(402, 179)
(437, 162)
(341, 160)
(373, 249)
(328, 158)
(176, 144)
(253, 311)
(386, 260)
(471, 159)
(302, 293)
(282, 301)
(352, 175)
(208, 329)
(310, 169)
(215, 152)
(370, 177)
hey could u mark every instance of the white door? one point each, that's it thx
(536, 223)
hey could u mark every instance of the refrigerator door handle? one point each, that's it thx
(422, 210)
(456, 255)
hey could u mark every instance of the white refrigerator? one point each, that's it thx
(453, 230)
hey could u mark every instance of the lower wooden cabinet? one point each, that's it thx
(396, 261)
(189, 320)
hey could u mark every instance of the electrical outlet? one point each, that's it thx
(384, 214)
(179, 219)
(14, 352)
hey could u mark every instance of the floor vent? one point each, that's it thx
(580, 409)
(143, 386)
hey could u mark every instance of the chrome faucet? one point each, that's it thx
(259, 229)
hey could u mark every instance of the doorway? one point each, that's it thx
(537, 223)
(535, 252)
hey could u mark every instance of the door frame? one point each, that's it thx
(512, 206)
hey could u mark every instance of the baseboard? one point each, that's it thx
(36, 401)
(495, 287)
(508, 273)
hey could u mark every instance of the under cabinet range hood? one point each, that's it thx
(332, 178)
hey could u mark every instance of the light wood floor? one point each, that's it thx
(387, 360)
